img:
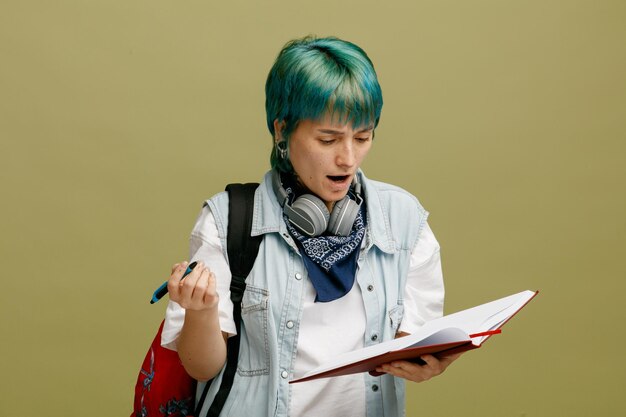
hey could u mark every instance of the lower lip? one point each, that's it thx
(340, 185)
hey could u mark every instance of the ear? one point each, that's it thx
(278, 130)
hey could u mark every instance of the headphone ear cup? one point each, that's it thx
(309, 214)
(343, 216)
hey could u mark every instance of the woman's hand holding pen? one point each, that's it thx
(197, 291)
(201, 332)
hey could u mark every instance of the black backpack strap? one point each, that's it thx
(242, 250)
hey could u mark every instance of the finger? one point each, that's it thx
(188, 284)
(408, 370)
(202, 284)
(411, 368)
(431, 361)
(450, 358)
(437, 362)
(434, 365)
(210, 294)
(178, 270)
(172, 283)
(212, 283)
(446, 361)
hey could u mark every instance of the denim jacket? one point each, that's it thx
(274, 292)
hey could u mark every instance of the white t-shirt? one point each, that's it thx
(342, 321)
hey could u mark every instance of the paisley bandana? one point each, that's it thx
(331, 261)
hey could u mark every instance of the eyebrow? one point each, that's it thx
(338, 132)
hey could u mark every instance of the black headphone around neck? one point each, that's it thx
(309, 214)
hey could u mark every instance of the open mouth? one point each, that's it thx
(338, 178)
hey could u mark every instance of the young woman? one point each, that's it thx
(345, 262)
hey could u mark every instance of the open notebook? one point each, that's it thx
(457, 332)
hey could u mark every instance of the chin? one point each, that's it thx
(334, 197)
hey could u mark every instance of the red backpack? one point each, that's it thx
(163, 386)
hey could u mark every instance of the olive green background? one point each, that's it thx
(506, 118)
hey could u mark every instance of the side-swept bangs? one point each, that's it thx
(315, 77)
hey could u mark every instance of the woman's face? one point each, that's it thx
(325, 156)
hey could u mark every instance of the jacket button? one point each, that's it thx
(298, 276)
(290, 324)
(284, 374)
(374, 337)
(374, 387)
(370, 288)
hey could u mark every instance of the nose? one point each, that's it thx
(346, 155)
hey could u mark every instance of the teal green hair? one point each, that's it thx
(315, 76)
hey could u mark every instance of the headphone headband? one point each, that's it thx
(309, 214)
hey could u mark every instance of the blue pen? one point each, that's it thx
(162, 290)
